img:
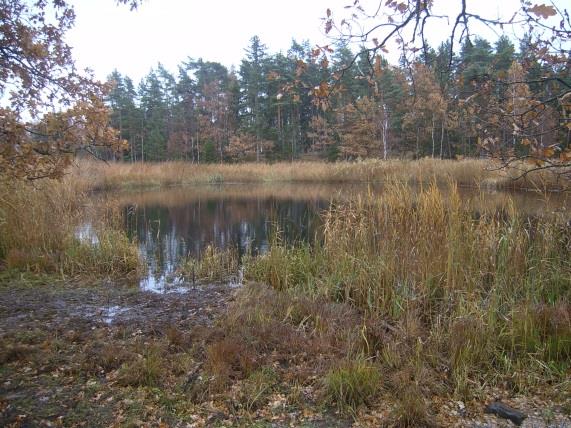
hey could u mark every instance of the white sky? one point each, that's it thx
(107, 36)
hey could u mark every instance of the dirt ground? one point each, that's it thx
(110, 355)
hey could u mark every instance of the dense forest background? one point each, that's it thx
(272, 106)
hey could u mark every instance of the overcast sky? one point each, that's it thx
(107, 36)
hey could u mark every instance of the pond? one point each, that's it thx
(174, 223)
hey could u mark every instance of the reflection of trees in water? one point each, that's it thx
(167, 233)
(173, 223)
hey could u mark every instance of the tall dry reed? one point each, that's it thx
(471, 172)
(40, 231)
(485, 297)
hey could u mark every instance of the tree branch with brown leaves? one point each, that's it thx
(38, 77)
(541, 122)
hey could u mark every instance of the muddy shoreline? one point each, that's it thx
(116, 356)
(54, 343)
(69, 357)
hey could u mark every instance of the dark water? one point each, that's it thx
(171, 224)
(174, 224)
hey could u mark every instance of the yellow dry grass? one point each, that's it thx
(486, 295)
(469, 172)
(39, 232)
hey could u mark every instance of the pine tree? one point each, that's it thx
(476, 65)
(254, 92)
(124, 112)
(504, 55)
(154, 109)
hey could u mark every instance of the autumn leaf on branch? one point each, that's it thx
(543, 11)
(37, 78)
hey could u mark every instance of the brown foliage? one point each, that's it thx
(247, 146)
(536, 124)
(360, 129)
(321, 133)
(38, 75)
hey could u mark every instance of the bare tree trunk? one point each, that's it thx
(441, 137)
(432, 136)
(191, 149)
(132, 152)
(197, 149)
(142, 140)
(257, 149)
(385, 132)
(280, 136)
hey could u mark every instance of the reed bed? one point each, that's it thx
(41, 231)
(212, 265)
(470, 172)
(452, 300)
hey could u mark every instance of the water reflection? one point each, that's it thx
(170, 224)
(179, 223)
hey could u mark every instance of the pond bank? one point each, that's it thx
(477, 173)
(73, 354)
(115, 356)
(412, 310)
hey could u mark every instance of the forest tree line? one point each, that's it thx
(485, 98)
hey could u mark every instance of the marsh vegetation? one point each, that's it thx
(335, 289)
(407, 295)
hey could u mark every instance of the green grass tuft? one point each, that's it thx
(352, 384)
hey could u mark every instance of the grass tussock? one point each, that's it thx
(255, 390)
(316, 352)
(352, 384)
(213, 265)
(453, 299)
(112, 254)
(36, 221)
(411, 409)
(146, 370)
(40, 232)
(271, 341)
(469, 172)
